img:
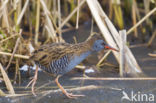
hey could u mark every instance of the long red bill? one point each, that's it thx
(111, 48)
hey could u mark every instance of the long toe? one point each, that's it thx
(29, 83)
(34, 94)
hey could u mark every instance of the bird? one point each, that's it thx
(60, 58)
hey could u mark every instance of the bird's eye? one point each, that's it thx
(103, 43)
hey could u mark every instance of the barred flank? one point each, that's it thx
(57, 66)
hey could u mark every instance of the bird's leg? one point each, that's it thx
(28, 72)
(69, 95)
(33, 81)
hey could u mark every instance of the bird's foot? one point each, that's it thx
(70, 95)
(29, 83)
(33, 82)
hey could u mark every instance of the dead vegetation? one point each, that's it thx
(35, 22)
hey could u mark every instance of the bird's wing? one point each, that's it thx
(50, 52)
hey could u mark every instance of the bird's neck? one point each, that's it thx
(83, 48)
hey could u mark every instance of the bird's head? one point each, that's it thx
(99, 44)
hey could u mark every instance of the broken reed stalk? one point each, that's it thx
(72, 13)
(5, 20)
(37, 22)
(48, 24)
(59, 22)
(7, 80)
(147, 9)
(3, 5)
(80, 67)
(153, 55)
(44, 85)
(134, 17)
(75, 40)
(118, 15)
(132, 64)
(22, 12)
(112, 38)
(15, 55)
(59, 15)
(141, 21)
(15, 48)
(151, 39)
(77, 16)
(137, 45)
(122, 51)
(92, 26)
(12, 36)
(90, 87)
(2, 93)
(16, 95)
(97, 14)
(113, 78)
(103, 58)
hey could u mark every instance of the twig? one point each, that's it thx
(103, 58)
(109, 64)
(92, 26)
(134, 17)
(16, 95)
(2, 93)
(153, 55)
(22, 12)
(50, 27)
(90, 87)
(7, 81)
(72, 13)
(77, 18)
(5, 20)
(75, 40)
(59, 22)
(80, 67)
(147, 9)
(137, 45)
(59, 14)
(113, 78)
(8, 38)
(15, 48)
(55, 26)
(151, 39)
(15, 55)
(142, 20)
(37, 22)
(43, 86)
(67, 29)
(2, 7)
